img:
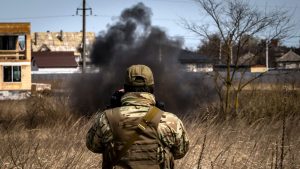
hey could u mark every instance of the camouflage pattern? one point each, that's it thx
(171, 131)
(139, 75)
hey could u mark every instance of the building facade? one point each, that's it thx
(15, 58)
(290, 60)
(192, 62)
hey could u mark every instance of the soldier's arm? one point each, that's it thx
(181, 146)
(98, 134)
(173, 135)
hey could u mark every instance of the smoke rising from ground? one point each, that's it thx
(133, 40)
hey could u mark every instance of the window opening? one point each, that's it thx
(22, 42)
(12, 73)
(8, 42)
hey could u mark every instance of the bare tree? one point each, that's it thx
(236, 22)
(209, 45)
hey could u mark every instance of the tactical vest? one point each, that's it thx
(143, 151)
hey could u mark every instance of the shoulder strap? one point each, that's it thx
(113, 117)
(153, 116)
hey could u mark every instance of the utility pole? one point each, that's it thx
(220, 52)
(83, 37)
(159, 54)
(267, 55)
(83, 52)
(231, 54)
(299, 41)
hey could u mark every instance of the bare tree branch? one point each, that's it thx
(235, 21)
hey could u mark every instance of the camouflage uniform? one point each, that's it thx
(171, 131)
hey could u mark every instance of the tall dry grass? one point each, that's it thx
(237, 144)
(42, 132)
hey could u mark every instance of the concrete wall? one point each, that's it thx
(198, 67)
(258, 69)
(288, 65)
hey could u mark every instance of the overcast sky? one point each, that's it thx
(56, 15)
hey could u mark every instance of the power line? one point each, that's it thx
(95, 15)
(38, 17)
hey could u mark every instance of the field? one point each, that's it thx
(42, 132)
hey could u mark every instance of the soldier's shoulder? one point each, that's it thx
(101, 116)
(109, 110)
(110, 113)
(168, 116)
(170, 120)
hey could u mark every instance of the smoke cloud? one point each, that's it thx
(133, 40)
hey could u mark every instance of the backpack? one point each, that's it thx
(136, 144)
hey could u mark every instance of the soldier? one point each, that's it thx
(138, 135)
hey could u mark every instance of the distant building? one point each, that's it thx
(193, 62)
(250, 62)
(290, 60)
(62, 42)
(54, 62)
(15, 60)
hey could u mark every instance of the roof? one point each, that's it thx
(289, 57)
(15, 28)
(60, 41)
(54, 59)
(186, 56)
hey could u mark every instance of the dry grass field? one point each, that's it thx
(42, 132)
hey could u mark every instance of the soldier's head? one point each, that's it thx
(139, 78)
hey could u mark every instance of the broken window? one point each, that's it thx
(12, 73)
(8, 42)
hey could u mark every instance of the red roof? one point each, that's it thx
(54, 59)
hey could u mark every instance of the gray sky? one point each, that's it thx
(56, 15)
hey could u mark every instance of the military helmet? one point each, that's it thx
(139, 75)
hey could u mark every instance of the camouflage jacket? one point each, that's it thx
(171, 131)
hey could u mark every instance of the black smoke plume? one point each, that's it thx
(133, 40)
